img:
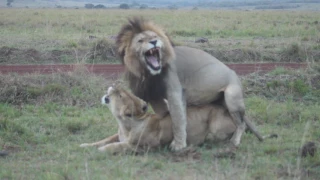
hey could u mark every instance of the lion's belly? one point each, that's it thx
(202, 76)
(197, 126)
(203, 88)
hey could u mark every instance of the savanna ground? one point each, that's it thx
(44, 118)
(87, 36)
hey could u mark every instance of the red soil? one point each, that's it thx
(116, 69)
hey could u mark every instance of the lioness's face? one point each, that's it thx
(123, 104)
(148, 47)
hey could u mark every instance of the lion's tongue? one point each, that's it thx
(153, 60)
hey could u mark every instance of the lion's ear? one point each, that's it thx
(170, 40)
(122, 52)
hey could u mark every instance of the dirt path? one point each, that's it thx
(117, 69)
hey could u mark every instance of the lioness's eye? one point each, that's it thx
(140, 41)
(128, 115)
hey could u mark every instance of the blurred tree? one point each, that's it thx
(124, 6)
(9, 3)
(89, 6)
(144, 6)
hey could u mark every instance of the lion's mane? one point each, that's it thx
(142, 83)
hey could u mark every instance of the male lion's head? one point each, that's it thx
(144, 47)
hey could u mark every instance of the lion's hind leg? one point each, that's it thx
(235, 104)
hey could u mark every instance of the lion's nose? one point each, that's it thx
(153, 42)
(105, 99)
(144, 107)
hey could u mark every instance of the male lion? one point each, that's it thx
(140, 131)
(157, 70)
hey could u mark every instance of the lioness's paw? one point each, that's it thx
(177, 146)
(85, 145)
(102, 148)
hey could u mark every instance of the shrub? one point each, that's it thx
(54, 88)
(184, 33)
(99, 6)
(89, 6)
(143, 6)
(124, 6)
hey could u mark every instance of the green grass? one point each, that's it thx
(72, 24)
(44, 118)
(62, 35)
(45, 145)
(43, 137)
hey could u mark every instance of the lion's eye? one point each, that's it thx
(140, 41)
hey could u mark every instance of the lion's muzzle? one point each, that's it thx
(153, 58)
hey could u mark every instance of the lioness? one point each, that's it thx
(157, 70)
(140, 130)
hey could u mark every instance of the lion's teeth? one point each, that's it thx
(151, 51)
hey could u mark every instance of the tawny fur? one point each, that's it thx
(140, 131)
(187, 77)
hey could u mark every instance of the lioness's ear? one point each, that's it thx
(166, 102)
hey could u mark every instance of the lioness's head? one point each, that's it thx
(144, 47)
(123, 104)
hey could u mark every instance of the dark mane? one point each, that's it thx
(152, 88)
(134, 26)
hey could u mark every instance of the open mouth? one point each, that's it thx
(153, 58)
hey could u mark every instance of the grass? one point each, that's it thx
(43, 137)
(44, 118)
(271, 35)
(74, 23)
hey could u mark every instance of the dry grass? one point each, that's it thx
(42, 134)
(77, 88)
(44, 118)
(270, 35)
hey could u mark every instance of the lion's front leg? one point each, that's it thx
(116, 148)
(108, 140)
(177, 109)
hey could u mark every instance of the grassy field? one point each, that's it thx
(62, 35)
(44, 119)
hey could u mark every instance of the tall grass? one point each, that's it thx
(66, 24)
(42, 135)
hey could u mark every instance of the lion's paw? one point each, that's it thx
(177, 146)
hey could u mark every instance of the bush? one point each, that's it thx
(76, 88)
(184, 33)
(124, 6)
(89, 6)
(99, 6)
(144, 6)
